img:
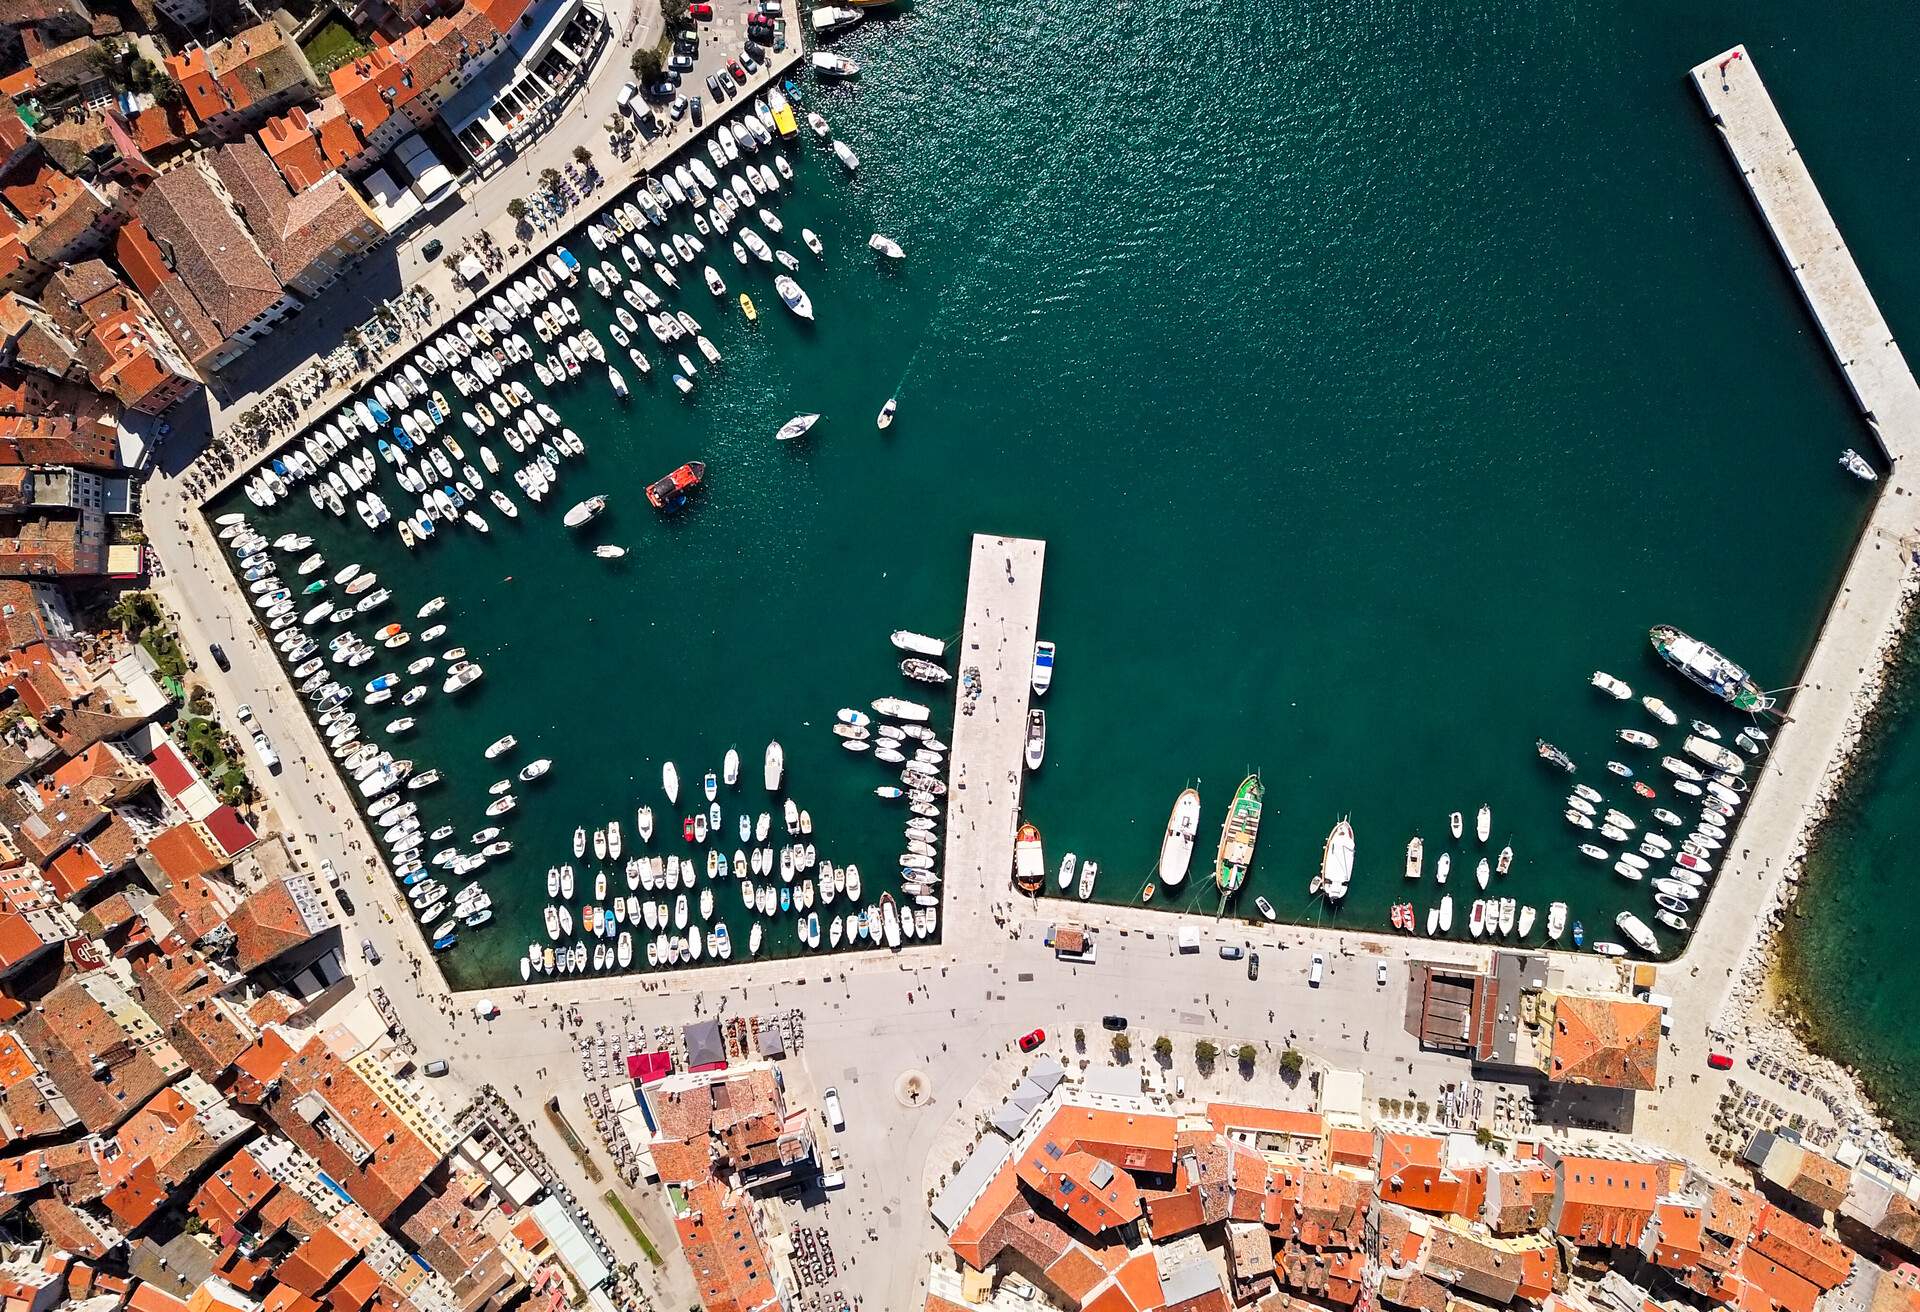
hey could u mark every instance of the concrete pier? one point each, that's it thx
(1776, 177)
(1718, 972)
(990, 728)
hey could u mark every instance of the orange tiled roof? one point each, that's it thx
(1611, 1042)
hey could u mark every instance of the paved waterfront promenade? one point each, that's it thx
(990, 725)
(1842, 674)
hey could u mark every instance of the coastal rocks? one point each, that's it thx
(1749, 1011)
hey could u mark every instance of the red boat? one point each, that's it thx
(670, 493)
(686, 829)
(1642, 789)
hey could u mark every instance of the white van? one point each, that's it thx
(268, 757)
(830, 1103)
(1317, 971)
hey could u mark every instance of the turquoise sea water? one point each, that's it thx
(1374, 373)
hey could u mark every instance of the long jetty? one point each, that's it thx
(995, 662)
(1868, 611)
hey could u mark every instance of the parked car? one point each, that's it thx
(687, 42)
(1028, 1042)
(1253, 965)
(682, 62)
(662, 90)
(698, 110)
(328, 873)
(368, 951)
(1317, 971)
(1380, 974)
(1229, 952)
(627, 92)
(1720, 1061)
(830, 1105)
(1115, 1023)
(713, 85)
(678, 108)
(438, 1066)
(243, 713)
(268, 757)
(700, 13)
(431, 251)
(746, 58)
(739, 73)
(219, 655)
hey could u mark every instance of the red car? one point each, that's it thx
(1033, 1040)
(701, 13)
(739, 73)
(1720, 1061)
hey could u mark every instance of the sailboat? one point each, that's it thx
(1336, 862)
(798, 426)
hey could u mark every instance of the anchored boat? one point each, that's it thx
(1176, 845)
(1238, 835)
(1708, 669)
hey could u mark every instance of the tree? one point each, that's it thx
(1204, 1054)
(1247, 1054)
(1163, 1049)
(583, 156)
(1079, 1038)
(647, 64)
(674, 11)
(550, 179)
(516, 209)
(1122, 1046)
(1483, 1136)
(1291, 1064)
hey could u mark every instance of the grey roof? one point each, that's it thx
(1112, 1080)
(1189, 1281)
(1047, 1073)
(1007, 1119)
(973, 1176)
(1028, 1096)
(704, 1044)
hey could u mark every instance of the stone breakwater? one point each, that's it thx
(1753, 1010)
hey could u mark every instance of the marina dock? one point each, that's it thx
(989, 737)
(1817, 257)
(1865, 622)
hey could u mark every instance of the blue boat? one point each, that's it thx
(566, 257)
(442, 944)
(400, 435)
(382, 683)
(1579, 934)
(279, 469)
(380, 415)
(786, 899)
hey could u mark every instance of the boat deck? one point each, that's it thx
(989, 745)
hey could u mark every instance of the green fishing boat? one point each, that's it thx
(1237, 836)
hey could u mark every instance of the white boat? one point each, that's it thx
(1483, 823)
(798, 426)
(1336, 862)
(1611, 686)
(841, 150)
(1855, 464)
(885, 245)
(793, 296)
(1176, 844)
(584, 511)
(670, 782)
(828, 64)
(1067, 864)
(774, 767)
(1042, 677)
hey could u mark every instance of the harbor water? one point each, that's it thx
(1374, 374)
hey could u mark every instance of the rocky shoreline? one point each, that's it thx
(1760, 1014)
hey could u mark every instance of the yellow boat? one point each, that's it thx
(783, 120)
(746, 307)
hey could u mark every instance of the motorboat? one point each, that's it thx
(1611, 686)
(798, 426)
